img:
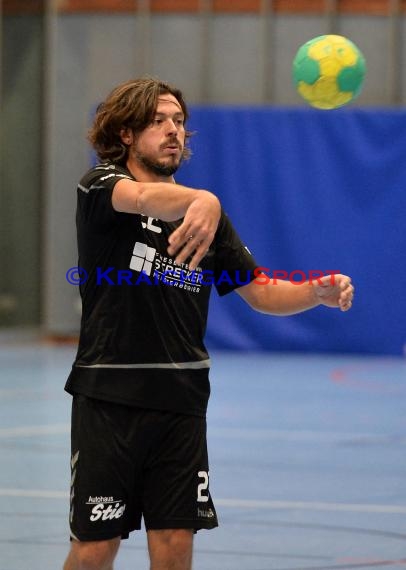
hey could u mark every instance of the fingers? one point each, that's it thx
(336, 291)
(346, 295)
(195, 234)
(185, 251)
(178, 239)
(186, 246)
(200, 252)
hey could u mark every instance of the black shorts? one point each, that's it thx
(129, 463)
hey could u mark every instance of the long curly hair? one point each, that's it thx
(130, 105)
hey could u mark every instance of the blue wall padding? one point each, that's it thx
(310, 190)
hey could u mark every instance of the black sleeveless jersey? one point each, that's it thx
(143, 316)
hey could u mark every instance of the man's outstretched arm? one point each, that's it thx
(280, 297)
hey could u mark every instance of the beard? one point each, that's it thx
(158, 167)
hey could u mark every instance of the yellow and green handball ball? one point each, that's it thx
(329, 71)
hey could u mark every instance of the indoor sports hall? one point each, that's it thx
(306, 418)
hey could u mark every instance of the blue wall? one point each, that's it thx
(310, 190)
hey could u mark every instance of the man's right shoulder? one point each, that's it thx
(99, 174)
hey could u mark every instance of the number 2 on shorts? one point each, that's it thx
(202, 487)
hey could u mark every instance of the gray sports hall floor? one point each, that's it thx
(308, 462)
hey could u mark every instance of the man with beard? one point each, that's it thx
(140, 380)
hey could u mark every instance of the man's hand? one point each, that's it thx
(169, 202)
(334, 291)
(196, 233)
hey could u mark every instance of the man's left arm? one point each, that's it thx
(278, 297)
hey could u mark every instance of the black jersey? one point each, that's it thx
(144, 317)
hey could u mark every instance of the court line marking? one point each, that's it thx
(240, 503)
(31, 431)
(305, 436)
(34, 493)
(234, 433)
(311, 506)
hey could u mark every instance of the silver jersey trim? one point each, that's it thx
(195, 365)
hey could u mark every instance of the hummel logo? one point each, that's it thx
(208, 514)
(142, 258)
